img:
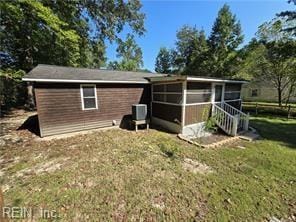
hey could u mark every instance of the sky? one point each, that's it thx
(164, 18)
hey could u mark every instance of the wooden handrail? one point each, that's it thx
(230, 119)
(243, 119)
(225, 121)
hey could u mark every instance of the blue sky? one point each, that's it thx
(164, 18)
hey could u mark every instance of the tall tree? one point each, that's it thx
(164, 63)
(64, 32)
(225, 37)
(187, 38)
(199, 56)
(130, 54)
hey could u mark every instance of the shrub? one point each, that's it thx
(13, 91)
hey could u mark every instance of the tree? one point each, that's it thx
(225, 37)
(290, 19)
(187, 38)
(278, 66)
(64, 32)
(130, 54)
(70, 33)
(250, 56)
(198, 59)
(164, 61)
(12, 89)
(272, 31)
(271, 58)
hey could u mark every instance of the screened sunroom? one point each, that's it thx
(183, 104)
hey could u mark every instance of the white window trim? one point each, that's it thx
(168, 93)
(166, 83)
(198, 93)
(82, 97)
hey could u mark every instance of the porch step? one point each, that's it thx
(248, 135)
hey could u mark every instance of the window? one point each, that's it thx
(198, 92)
(254, 93)
(88, 97)
(168, 93)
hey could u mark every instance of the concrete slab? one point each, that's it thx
(249, 136)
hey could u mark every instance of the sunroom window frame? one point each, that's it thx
(90, 97)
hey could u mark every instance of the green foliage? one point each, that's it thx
(70, 33)
(12, 89)
(164, 61)
(226, 36)
(198, 64)
(272, 31)
(64, 32)
(211, 124)
(290, 18)
(215, 56)
(130, 54)
(187, 41)
(271, 58)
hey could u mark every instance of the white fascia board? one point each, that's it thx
(167, 78)
(214, 80)
(83, 81)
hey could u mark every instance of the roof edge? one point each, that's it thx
(215, 80)
(190, 78)
(83, 81)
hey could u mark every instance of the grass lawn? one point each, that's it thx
(120, 175)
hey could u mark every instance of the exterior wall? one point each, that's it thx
(265, 93)
(60, 109)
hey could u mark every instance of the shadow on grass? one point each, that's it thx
(31, 124)
(276, 129)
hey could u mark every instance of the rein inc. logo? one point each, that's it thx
(28, 213)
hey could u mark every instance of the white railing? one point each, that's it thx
(225, 120)
(243, 119)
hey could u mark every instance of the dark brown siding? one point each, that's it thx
(236, 104)
(197, 113)
(60, 110)
(167, 112)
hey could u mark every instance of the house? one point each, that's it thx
(73, 99)
(261, 91)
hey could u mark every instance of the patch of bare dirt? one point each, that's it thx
(196, 167)
(18, 127)
(213, 138)
(47, 167)
(159, 202)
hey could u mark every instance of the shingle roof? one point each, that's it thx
(52, 72)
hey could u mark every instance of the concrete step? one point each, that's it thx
(248, 135)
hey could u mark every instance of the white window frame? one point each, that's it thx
(82, 96)
(165, 93)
